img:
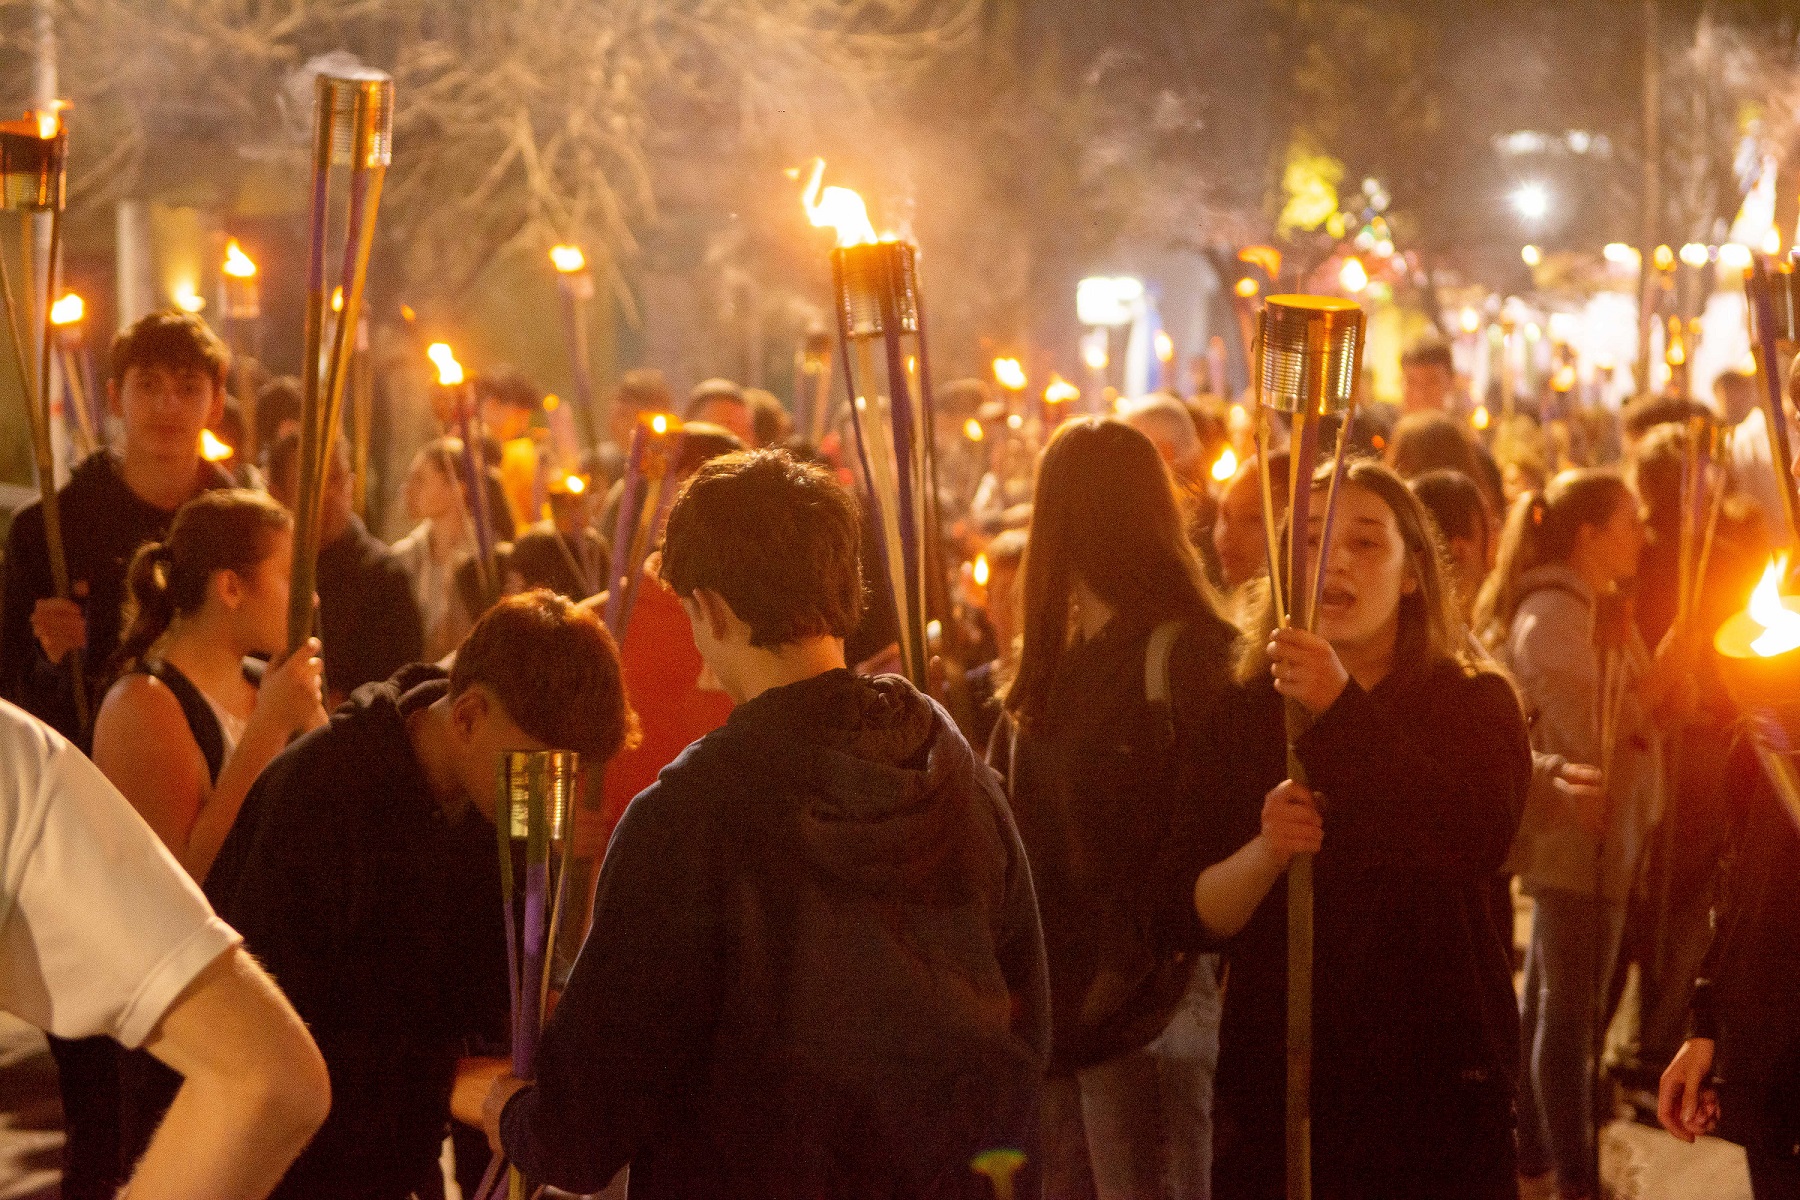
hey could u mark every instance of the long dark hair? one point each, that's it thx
(1105, 515)
(1543, 528)
(228, 530)
(1431, 629)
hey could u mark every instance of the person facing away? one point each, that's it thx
(165, 383)
(368, 620)
(1549, 613)
(102, 934)
(815, 965)
(1101, 761)
(1417, 764)
(362, 874)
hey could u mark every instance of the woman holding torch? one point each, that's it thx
(1418, 762)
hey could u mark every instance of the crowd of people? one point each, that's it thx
(1022, 932)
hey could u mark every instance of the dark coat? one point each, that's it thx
(103, 524)
(1748, 995)
(368, 619)
(815, 968)
(1103, 789)
(1423, 781)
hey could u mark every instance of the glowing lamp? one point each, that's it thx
(242, 299)
(1225, 466)
(1009, 373)
(1694, 254)
(567, 259)
(212, 448)
(1480, 418)
(980, 571)
(450, 372)
(972, 430)
(68, 310)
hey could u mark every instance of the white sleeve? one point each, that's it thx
(100, 928)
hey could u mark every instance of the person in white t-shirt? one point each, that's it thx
(103, 933)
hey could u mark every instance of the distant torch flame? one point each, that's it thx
(1781, 624)
(238, 265)
(211, 448)
(661, 423)
(1480, 417)
(1354, 277)
(567, 259)
(1010, 373)
(186, 298)
(49, 123)
(337, 299)
(1165, 346)
(972, 430)
(1061, 391)
(839, 208)
(450, 372)
(68, 310)
(1226, 466)
(980, 571)
(575, 485)
(1247, 287)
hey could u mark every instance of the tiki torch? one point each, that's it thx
(533, 821)
(576, 284)
(456, 407)
(240, 307)
(1308, 358)
(65, 320)
(812, 384)
(645, 496)
(353, 124)
(1759, 660)
(1774, 294)
(34, 153)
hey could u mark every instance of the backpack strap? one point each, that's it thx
(1156, 673)
(202, 722)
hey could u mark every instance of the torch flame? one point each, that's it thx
(186, 298)
(1226, 466)
(972, 430)
(661, 423)
(980, 571)
(337, 299)
(212, 449)
(840, 208)
(238, 265)
(1010, 373)
(1480, 417)
(1781, 624)
(450, 372)
(567, 259)
(1247, 287)
(1165, 346)
(574, 484)
(49, 122)
(68, 310)
(1060, 391)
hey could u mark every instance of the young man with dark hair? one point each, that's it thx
(165, 383)
(815, 967)
(1427, 376)
(362, 874)
(369, 620)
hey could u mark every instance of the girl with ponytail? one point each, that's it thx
(183, 732)
(1554, 613)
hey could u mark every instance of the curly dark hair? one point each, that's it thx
(554, 669)
(776, 538)
(178, 340)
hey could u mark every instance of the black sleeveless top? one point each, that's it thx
(202, 722)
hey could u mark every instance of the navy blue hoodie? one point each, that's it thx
(815, 968)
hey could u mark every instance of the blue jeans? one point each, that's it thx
(1574, 943)
(1144, 1118)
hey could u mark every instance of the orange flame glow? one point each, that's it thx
(1226, 466)
(68, 310)
(450, 372)
(1010, 373)
(1061, 391)
(839, 208)
(238, 265)
(980, 571)
(212, 449)
(1768, 608)
(567, 259)
(972, 430)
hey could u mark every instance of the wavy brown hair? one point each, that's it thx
(1104, 514)
(1431, 630)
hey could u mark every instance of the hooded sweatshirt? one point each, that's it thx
(815, 968)
(103, 524)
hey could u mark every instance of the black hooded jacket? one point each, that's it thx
(103, 524)
(815, 968)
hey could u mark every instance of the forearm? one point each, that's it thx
(1228, 893)
(225, 1139)
(256, 750)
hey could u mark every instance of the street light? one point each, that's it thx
(1531, 200)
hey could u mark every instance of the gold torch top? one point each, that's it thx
(358, 107)
(34, 155)
(1309, 353)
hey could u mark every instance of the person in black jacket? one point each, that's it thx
(362, 873)
(815, 967)
(1102, 754)
(368, 619)
(1417, 758)
(165, 383)
(1739, 1072)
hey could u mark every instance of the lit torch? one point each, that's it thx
(1774, 294)
(457, 406)
(1308, 357)
(882, 331)
(240, 307)
(575, 283)
(645, 496)
(66, 316)
(34, 155)
(1759, 657)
